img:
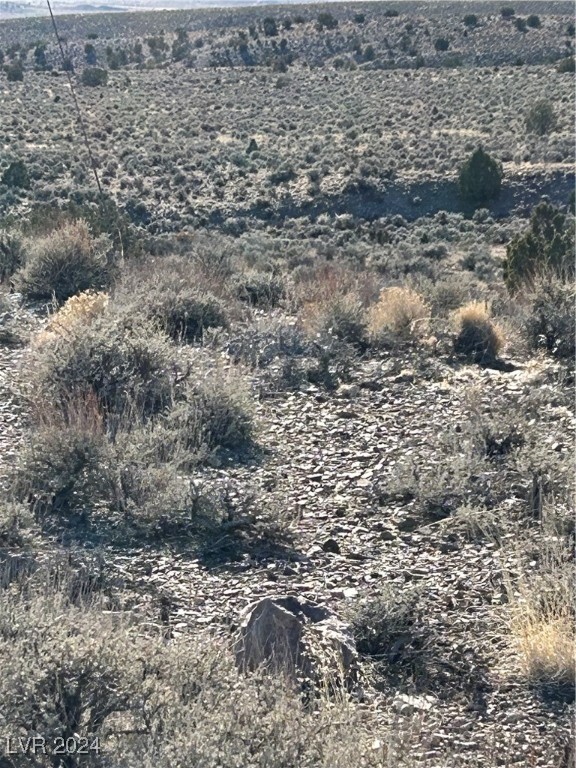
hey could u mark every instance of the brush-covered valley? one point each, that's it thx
(287, 387)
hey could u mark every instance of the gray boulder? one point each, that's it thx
(294, 636)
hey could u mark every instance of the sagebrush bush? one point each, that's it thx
(67, 464)
(480, 178)
(399, 312)
(260, 289)
(322, 282)
(216, 413)
(185, 312)
(174, 294)
(125, 361)
(94, 76)
(17, 526)
(546, 248)
(476, 335)
(549, 324)
(391, 635)
(379, 621)
(541, 118)
(343, 316)
(566, 65)
(64, 263)
(75, 473)
(16, 175)
(11, 254)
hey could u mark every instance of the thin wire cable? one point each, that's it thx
(81, 122)
(73, 90)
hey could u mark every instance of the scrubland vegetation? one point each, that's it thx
(315, 337)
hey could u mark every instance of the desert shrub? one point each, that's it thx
(369, 53)
(260, 289)
(125, 361)
(270, 27)
(331, 361)
(324, 280)
(173, 293)
(566, 65)
(389, 633)
(14, 71)
(11, 254)
(342, 316)
(67, 464)
(16, 175)
(441, 44)
(476, 335)
(17, 526)
(66, 262)
(541, 118)
(399, 312)
(91, 55)
(326, 20)
(507, 12)
(549, 324)
(94, 76)
(520, 24)
(214, 413)
(471, 20)
(78, 475)
(71, 679)
(480, 178)
(265, 340)
(533, 21)
(103, 218)
(184, 312)
(378, 622)
(447, 295)
(547, 246)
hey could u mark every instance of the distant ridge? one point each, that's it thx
(13, 10)
(38, 8)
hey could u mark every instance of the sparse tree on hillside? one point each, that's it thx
(480, 178)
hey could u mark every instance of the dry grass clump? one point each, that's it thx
(476, 335)
(78, 310)
(65, 262)
(542, 616)
(399, 312)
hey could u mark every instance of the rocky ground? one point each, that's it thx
(330, 464)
